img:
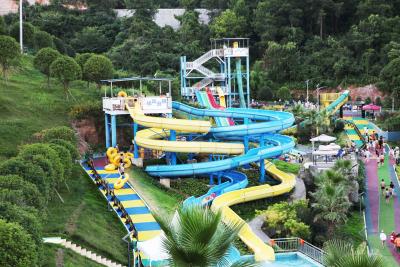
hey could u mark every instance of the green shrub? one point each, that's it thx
(18, 248)
(16, 190)
(284, 219)
(68, 145)
(65, 157)
(45, 164)
(65, 70)
(90, 109)
(60, 132)
(28, 217)
(49, 153)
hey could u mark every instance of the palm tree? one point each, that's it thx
(343, 254)
(332, 204)
(196, 237)
(322, 121)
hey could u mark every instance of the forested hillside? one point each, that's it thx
(329, 42)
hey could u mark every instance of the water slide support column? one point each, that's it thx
(262, 165)
(135, 146)
(248, 80)
(113, 130)
(107, 124)
(172, 137)
(228, 77)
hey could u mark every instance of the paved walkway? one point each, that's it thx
(379, 214)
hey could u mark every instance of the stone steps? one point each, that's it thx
(82, 251)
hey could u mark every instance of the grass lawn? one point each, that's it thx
(28, 106)
(352, 230)
(84, 219)
(162, 201)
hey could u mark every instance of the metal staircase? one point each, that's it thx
(207, 56)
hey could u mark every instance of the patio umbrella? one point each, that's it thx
(371, 107)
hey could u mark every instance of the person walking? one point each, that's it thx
(383, 186)
(391, 188)
(381, 159)
(387, 195)
(383, 238)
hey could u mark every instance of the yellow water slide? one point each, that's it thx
(148, 138)
(221, 96)
(262, 251)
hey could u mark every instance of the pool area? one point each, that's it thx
(293, 259)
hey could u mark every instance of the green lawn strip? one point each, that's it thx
(83, 218)
(161, 200)
(386, 211)
(352, 230)
(376, 246)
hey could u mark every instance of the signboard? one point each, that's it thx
(156, 104)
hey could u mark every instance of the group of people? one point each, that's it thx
(387, 191)
(394, 239)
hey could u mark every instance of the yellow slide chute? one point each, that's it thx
(262, 251)
(149, 138)
(221, 96)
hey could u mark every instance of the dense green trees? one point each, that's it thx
(27, 183)
(17, 249)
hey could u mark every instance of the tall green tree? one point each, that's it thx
(43, 60)
(98, 68)
(17, 249)
(9, 53)
(66, 70)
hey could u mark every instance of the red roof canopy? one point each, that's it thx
(371, 107)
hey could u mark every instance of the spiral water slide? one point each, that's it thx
(263, 123)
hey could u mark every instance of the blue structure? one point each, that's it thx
(232, 56)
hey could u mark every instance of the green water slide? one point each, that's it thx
(240, 82)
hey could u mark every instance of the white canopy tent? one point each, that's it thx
(323, 138)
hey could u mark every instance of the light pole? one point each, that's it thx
(20, 27)
(319, 88)
(307, 91)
